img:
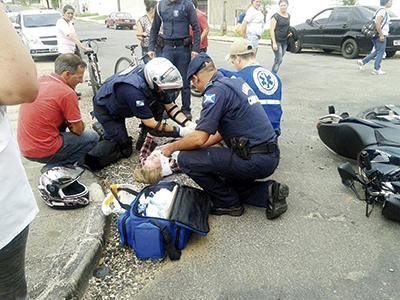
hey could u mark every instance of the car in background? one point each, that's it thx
(339, 29)
(38, 31)
(120, 20)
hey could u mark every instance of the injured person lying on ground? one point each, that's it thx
(154, 165)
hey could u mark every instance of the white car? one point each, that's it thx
(38, 31)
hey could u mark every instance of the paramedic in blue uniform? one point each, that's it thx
(266, 85)
(230, 112)
(176, 17)
(132, 93)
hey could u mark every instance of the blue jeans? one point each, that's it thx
(180, 56)
(73, 149)
(12, 268)
(253, 39)
(279, 56)
(380, 48)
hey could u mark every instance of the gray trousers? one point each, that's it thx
(12, 268)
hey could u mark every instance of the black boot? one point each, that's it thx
(277, 204)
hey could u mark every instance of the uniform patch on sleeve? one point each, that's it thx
(139, 103)
(209, 99)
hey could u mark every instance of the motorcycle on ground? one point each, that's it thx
(373, 139)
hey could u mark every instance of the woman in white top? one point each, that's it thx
(67, 40)
(253, 24)
(17, 204)
(382, 20)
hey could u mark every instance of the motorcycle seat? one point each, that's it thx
(361, 121)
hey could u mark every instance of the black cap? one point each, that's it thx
(197, 63)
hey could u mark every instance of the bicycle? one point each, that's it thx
(93, 64)
(124, 62)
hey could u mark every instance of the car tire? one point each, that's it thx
(350, 48)
(390, 54)
(296, 47)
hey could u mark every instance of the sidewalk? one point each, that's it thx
(63, 245)
(212, 37)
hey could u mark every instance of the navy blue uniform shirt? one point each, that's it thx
(231, 107)
(175, 17)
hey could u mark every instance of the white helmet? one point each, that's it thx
(161, 72)
(59, 187)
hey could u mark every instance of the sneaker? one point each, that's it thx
(360, 64)
(277, 200)
(378, 72)
(234, 211)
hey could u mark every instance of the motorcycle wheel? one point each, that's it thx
(385, 113)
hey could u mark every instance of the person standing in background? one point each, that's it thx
(280, 23)
(176, 17)
(204, 28)
(253, 24)
(67, 40)
(18, 205)
(382, 21)
(144, 26)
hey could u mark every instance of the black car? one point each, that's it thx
(339, 29)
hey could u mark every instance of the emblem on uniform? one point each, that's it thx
(139, 103)
(176, 13)
(251, 96)
(209, 99)
(266, 81)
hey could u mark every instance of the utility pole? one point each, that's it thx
(119, 5)
(223, 25)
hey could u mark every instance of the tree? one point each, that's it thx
(265, 6)
(349, 2)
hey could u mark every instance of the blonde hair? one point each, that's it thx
(145, 175)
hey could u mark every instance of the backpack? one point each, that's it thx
(154, 237)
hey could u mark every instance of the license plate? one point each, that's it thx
(396, 43)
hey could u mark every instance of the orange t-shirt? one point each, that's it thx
(39, 122)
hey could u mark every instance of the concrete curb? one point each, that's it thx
(74, 277)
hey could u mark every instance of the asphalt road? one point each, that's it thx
(323, 247)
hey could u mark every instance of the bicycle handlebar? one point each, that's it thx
(102, 39)
(131, 47)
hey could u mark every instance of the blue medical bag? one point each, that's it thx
(152, 237)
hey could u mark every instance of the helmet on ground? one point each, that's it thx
(60, 188)
(161, 72)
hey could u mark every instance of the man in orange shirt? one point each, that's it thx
(42, 135)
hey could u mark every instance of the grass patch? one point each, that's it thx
(100, 17)
(266, 35)
(88, 14)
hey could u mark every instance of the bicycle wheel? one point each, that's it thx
(94, 75)
(121, 64)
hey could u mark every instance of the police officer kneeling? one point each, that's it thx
(143, 92)
(230, 112)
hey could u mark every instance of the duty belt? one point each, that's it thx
(264, 148)
(174, 43)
